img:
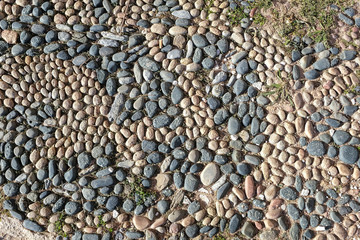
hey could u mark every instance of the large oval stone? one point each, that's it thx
(210, 174)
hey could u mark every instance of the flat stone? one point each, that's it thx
(163, 206)
(90, 236)
(194, 207)
(348, 55)
(238, 57)
(311, 74)
(134, 235)
(222, 191)
(11, 189)
(255, 214)
(268, 235)
(312, 185)
(84, 160)
(10, 36)
(71, 208)
(148, 64)
(199, 40)
(322, 64)
(243, 169)
(210, 174)
(102, 182)
(339, 231)
(220, 77)
(248, 229)
(33, 226)
(346, 19)
(181, 14)
(158, 28)
(192, 231)
(177, 215)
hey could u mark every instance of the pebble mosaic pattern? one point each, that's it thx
(153, 120)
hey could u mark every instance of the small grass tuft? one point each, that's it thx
(208, 5)
(219, 237)
(259, 19)
(102, 223)
(262, 4)
(352, 89)
(236, 15)
(281, 90)
(139, 193)
(59, 224)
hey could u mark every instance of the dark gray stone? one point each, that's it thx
(177, 95)
(192, 231)
(346, 19)
(149, 64)
(348, 154)
(191, 183)
(222, 191)
(322, 64)
(199, 40)
(163, 206)
(234, 125)
(240, 87)
(293, 212)
(242, 67)
(248, 229)
(102, 182)
(348, 55)
(311, 74)
(72, 208)
(255, 214)
(161, 121)
(316, 148)
(288, 193)
(11, 189)
(295, 232)
(84, 160)
(234, 223)
(32, 226)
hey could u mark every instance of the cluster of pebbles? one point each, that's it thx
(148, 120)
